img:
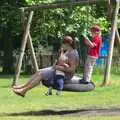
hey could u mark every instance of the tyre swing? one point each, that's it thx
(76, 84)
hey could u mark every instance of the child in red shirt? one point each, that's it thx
(93, 51)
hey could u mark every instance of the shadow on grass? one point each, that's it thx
(78, 112)
(7, 86)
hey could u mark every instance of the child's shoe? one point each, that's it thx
(58, 93)
(48, 93)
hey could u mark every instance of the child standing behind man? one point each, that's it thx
(93, 51)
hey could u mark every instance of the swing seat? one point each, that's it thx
(75, 85)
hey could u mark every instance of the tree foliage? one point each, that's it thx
(48, 26)
(9, 31)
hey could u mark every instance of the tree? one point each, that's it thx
(9, 30)
(48, 26)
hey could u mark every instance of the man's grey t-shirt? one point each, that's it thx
(48, 73)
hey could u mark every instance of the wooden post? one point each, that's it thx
(32, 53)
(112, 38)
(30, 45)
(110, 9)
(22, 49)
(117, 37)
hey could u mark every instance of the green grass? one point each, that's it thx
(35, 105)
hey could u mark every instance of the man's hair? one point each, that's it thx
(70, 41)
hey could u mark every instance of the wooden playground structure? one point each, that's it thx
(113, 8)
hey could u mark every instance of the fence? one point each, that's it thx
(45, 60)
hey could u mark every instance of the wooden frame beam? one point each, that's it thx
(63, 5)
(30, 44)
(22, 49)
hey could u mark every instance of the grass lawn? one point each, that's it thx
(68, 106)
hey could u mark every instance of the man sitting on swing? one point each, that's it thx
(48, 73)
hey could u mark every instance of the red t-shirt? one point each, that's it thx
(95, 51)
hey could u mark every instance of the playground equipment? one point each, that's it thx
(76, 84)
(27, 38)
